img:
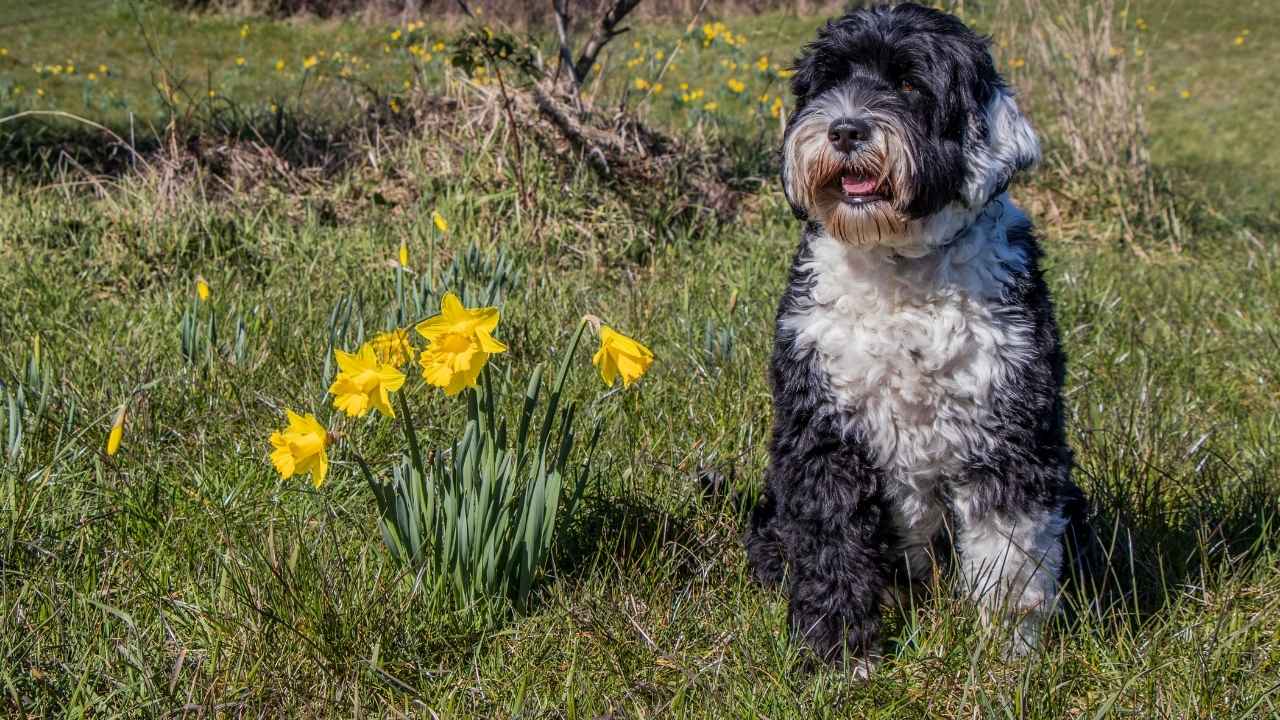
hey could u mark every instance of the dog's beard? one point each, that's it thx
(859, 198)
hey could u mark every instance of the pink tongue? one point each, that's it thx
(854, 185)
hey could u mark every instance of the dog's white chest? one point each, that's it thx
(914, 348)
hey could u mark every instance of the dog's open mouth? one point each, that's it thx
(861, 188)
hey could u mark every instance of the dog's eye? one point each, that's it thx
(907, 87)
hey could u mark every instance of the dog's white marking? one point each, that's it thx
(915, 346)
(1010, 566)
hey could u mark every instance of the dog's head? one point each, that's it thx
(899, 116)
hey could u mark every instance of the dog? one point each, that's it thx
(917, 370)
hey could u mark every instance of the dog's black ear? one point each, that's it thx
(1000, 144)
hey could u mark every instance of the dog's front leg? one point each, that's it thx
(836, 532)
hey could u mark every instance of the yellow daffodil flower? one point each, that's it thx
(363, 383)
(309, 62)
(460, 343)
(438, 219)
(202, 289)
(404, 254)
(117, 432)
(393, 347)
(300, 448)
(622, 356)
(279, 65)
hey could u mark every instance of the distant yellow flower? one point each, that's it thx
(71, 69)
(641, 84)
(711, 106)
(244, 31)
(684, 86)
(763, 63)
(117, 432)
(657, 88)
(659, 55)
(310, 62)
(1140, 24)
(202, 289)
(240, 61)
(1239, 40)
(1017, 63)
(393, 347)
(736, 85)
(4, 52)
(438, 47)
(395, 35)
(363, 383)
(279, 65)
(1185, 94)
(40, 92)
(786, 73)
(439, 221)
(92, 76)
(404, 254)
(622, 356)
(213, 93)
(300, 448)
(460, 341)
(394, 105)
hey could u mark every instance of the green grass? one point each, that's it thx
(182, 577)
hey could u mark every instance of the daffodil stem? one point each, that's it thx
(411, 435)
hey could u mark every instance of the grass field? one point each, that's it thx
(182, 577)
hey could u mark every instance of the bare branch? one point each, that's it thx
(608, 30)
(561, 8)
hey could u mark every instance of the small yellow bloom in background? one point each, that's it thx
(659, 55)
(657, 88)
(1239, 40)
(1151, 89)
(438, 47)
(684, 86)
(363, 383)
(736, 85)
(240, 61)
(4, 52)
(438, 219)
(202, 289)
(92, 76)
(620, 356)
(460, 341)
(40, 92)
(279, 65)
(393, 347)
(244, 31)
(71, 69)
(394, 105)
(213, 93)
(1140, 24)
(1017, 63)
(300, 448)
(711, 106)
(310, 62)
(1186, 94)
(404, 254)
(641, 84)
(117, 432)
(786, 73)
(395, 35)
(763, 63)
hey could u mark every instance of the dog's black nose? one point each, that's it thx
(846, 134)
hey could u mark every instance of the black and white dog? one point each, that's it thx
(916, 369)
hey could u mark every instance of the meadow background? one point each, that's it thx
(284, 158)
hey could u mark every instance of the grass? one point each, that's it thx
(182, 577)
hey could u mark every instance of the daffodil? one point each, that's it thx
(300, 448)
(117, 432)
(363, 382)
(393, 347)
(460, 343)
(404, 254)
(202, 289)
(622, 356)
(439, 221)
